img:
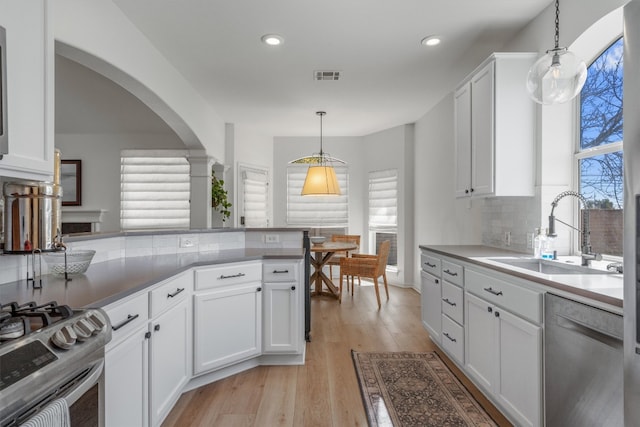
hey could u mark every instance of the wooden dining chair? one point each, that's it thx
(368, 266)
(335, 259)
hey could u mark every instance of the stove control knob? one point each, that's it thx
(98, 324)
(83, 329)
(64, 338)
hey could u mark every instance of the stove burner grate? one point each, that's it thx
(17, 320)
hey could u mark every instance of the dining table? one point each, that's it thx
(323, 252)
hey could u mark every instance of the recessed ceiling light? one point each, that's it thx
(431, 41)
(272, 39)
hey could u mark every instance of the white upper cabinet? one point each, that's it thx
(30, 89)
(495, 129)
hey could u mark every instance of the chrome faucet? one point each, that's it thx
(587, 254)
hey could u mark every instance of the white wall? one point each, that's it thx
(440, 218)
(99, 36)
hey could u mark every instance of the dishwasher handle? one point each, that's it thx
(589, 331)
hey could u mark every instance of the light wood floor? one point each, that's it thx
(324, 391)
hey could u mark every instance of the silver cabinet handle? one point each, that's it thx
(178, 290)
(493, 291)
(448, 336)
(452, 304)
(222, 276)
(450, 273)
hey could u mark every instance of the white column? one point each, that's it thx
(200, 191)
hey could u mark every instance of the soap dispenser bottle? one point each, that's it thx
(548, 246)
(538, 243)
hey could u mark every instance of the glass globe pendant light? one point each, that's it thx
(559, 75)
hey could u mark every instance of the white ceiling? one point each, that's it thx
(387, 77)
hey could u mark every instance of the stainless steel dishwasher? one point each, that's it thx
(583, 365)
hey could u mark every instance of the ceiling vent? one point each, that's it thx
(327, 75)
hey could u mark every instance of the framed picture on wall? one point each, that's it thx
(71, 182)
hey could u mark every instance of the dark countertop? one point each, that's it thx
(604, 288)
(109, 281)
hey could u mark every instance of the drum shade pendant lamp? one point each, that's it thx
(321, 179)
(559, 75)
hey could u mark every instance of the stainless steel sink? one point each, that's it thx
(547, 266)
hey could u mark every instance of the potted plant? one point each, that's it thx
(219, 200)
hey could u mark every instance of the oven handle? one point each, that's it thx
(89, 381)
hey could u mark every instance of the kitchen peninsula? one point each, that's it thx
(186, 308)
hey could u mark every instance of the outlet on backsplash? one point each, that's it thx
(507, 238)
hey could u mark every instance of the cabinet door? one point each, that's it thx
(431, 302)
(462, 106)
(30, 85)
(481, 340)
(281, 319)
(482, 131)
(126, 382)
(228, 325)
(519, 385)
(170, 364)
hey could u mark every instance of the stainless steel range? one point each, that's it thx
(48, 352)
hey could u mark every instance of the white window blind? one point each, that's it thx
(154, 189)
(316, 211)
(255, 198)
(383, 200)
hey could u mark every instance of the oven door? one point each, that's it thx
(83, 392)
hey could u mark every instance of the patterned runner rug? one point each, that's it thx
(414, 389)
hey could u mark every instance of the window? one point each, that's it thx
(254, 200)
(154, 189)
(383, 211)
(599, 156)
(316, 211)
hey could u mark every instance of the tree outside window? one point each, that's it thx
(600, 159)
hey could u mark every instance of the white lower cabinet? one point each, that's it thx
(170, 367)
(503, 354)
(126, 381)
(227, 316)
(146, 368)
(282, 306)
(281, 318)
(431, 305)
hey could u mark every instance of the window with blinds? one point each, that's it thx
(383, 211)
(255, 198)
(383, 200)
(154, 189)
(316, 211)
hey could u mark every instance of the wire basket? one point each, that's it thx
(77, 261)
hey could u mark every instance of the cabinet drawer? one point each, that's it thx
(279, 272)
(453, 339)
(171, 292)
(127, 315)
(430, 264)
(452, 302)
(515, 298)
(228, 274)
(452, 273)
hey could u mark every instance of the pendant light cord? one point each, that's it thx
(321, 113)
(557, 36)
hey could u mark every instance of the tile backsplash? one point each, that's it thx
(14, 267)
(515, 215)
